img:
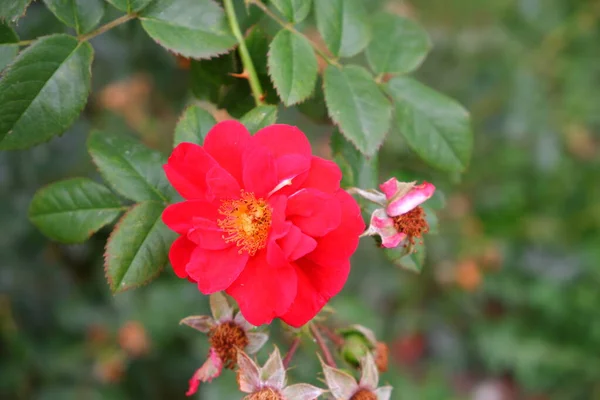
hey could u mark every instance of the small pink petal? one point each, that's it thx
(389, 187)
(207, 372)
(417, 195)
(383, 226)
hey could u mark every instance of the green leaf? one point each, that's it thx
(71, 211)
(13, 9)
(138, 248)
(44, 91)
(356, 170)
(8, 45)
(399, 44)
(357, 105)
(411, 262)
(193, 28)
(129, 6)
(259, 117)
(293, 10)
(83, 15)
(292, 66)
(436, 127)
(193, 126)
(132, 169)
(343, 25)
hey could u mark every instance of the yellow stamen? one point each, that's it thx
(246, 223)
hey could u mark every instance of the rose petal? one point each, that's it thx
(283, 139)
(206, 234)
(389, 187)
(323, 175)
(210, 370)
(279, 226)
(263, 292)
(302, 391)
(179, 216)
(296, 244)
(314, 212)
(186, 169)
(340, 243)
(180, 254)
(417, 195)
(260, 171)
(317, 284)
(383, 226)
(215, 270)
(226, 142)
(222, 184)
(294, 167)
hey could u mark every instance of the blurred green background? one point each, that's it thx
(506, 307)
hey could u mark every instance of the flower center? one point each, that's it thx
(412, 223)
(364, 394)
(226, 339)
(246, 223)
(264, 394)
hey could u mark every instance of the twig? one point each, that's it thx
(291, 28)
(291, 352)
(257, 91)
(321, 343)
(109, 26)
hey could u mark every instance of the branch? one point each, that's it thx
(257, 91)
(321, 343)
(107, 27)
(291, 28)
(291, 352)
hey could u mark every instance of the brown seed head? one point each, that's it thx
(364, 394)
(413, 224)
(265, 394)
(226, 339)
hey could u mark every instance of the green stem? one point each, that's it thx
(290, 27)
(25, 42)
(109, 26)
(257, 91)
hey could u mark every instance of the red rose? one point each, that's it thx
(264, 220)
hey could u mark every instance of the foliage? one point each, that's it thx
(510, 284)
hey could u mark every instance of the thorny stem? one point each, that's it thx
(257, 91)
(291, 28)
(321, 343)
(107, 27)
(291, 352)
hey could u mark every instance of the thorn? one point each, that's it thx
(243, 75)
